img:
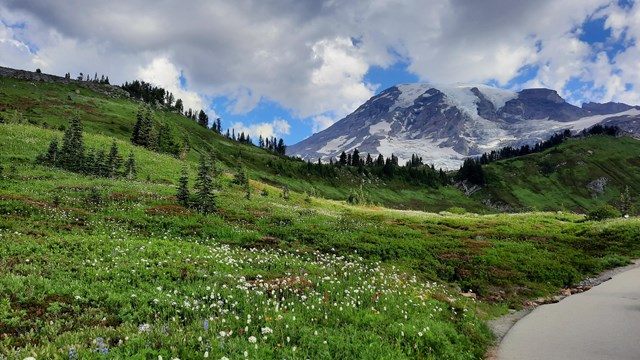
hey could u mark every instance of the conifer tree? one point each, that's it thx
(51, 157)
(355, 158)
(130, 171)
(203, 119)
(114, 161)
(183, 188)
(204, 188)
(143, 131)
(179, 106)
(89, 166)
(72, 151)
(101, 168)
(343, 159)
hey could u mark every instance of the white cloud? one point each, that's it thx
(161, 72)
(300, 54)
(277, 128)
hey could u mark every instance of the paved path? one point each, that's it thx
(600, 324)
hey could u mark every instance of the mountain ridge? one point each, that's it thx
(444, 124)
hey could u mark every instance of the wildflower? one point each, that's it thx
(206, 324)
(144, 328)
(252, 339)
(72, 353)
(420, 333)
(266, 330)
(206, 354)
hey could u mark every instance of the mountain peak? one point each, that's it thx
(446, 123)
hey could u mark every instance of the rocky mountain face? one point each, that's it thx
(445, 124)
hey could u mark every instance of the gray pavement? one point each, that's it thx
(600, 324)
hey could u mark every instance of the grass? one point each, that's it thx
(559, 178)
(131, 274)
(143, 274)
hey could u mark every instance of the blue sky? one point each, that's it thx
(288, 68)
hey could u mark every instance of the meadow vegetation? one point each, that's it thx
(93, 267)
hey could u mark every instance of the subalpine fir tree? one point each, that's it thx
(51, 157)
(113, 162)
(101, 167)
(72, 151)
(143, 131)
(205, 197)
(90, 163)
(183, 194)
(130, 170)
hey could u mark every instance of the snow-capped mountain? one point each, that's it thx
(445, 124)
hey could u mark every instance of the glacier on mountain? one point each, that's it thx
(444, 124)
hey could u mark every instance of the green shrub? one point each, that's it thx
(613, 260)
(604, 212)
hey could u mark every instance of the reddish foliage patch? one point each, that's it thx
(169, 210)
(265, 242)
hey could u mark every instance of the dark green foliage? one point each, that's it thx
(143, 130)
(113, 162)
(72, 151)
(203, 119)
(604, 212)
(100, 167)
(472, 172)
(343, 159)
(205, 197)
(179, 106)
(264, 192)
(130, 168)
(166, 141)
(183, 194)
(51, 156)
(146, 92)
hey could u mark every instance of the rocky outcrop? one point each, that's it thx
(598, 185)
(108, 90)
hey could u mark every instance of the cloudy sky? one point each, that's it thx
(292, 67)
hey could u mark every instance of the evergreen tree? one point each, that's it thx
(51, 157)
(355, 158)
(282, 148)
(204, 188)
(203, 119)
(219, 126)
(143, 131)
(343, 159)
(179, 106)
(72, 151)
(183, 188)
(89, 166)
(101, 168)
(114, 161)
(130, 170)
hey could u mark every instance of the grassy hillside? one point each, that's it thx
(52, 105)
(553, 180)
(91, 266)
(560, 178)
